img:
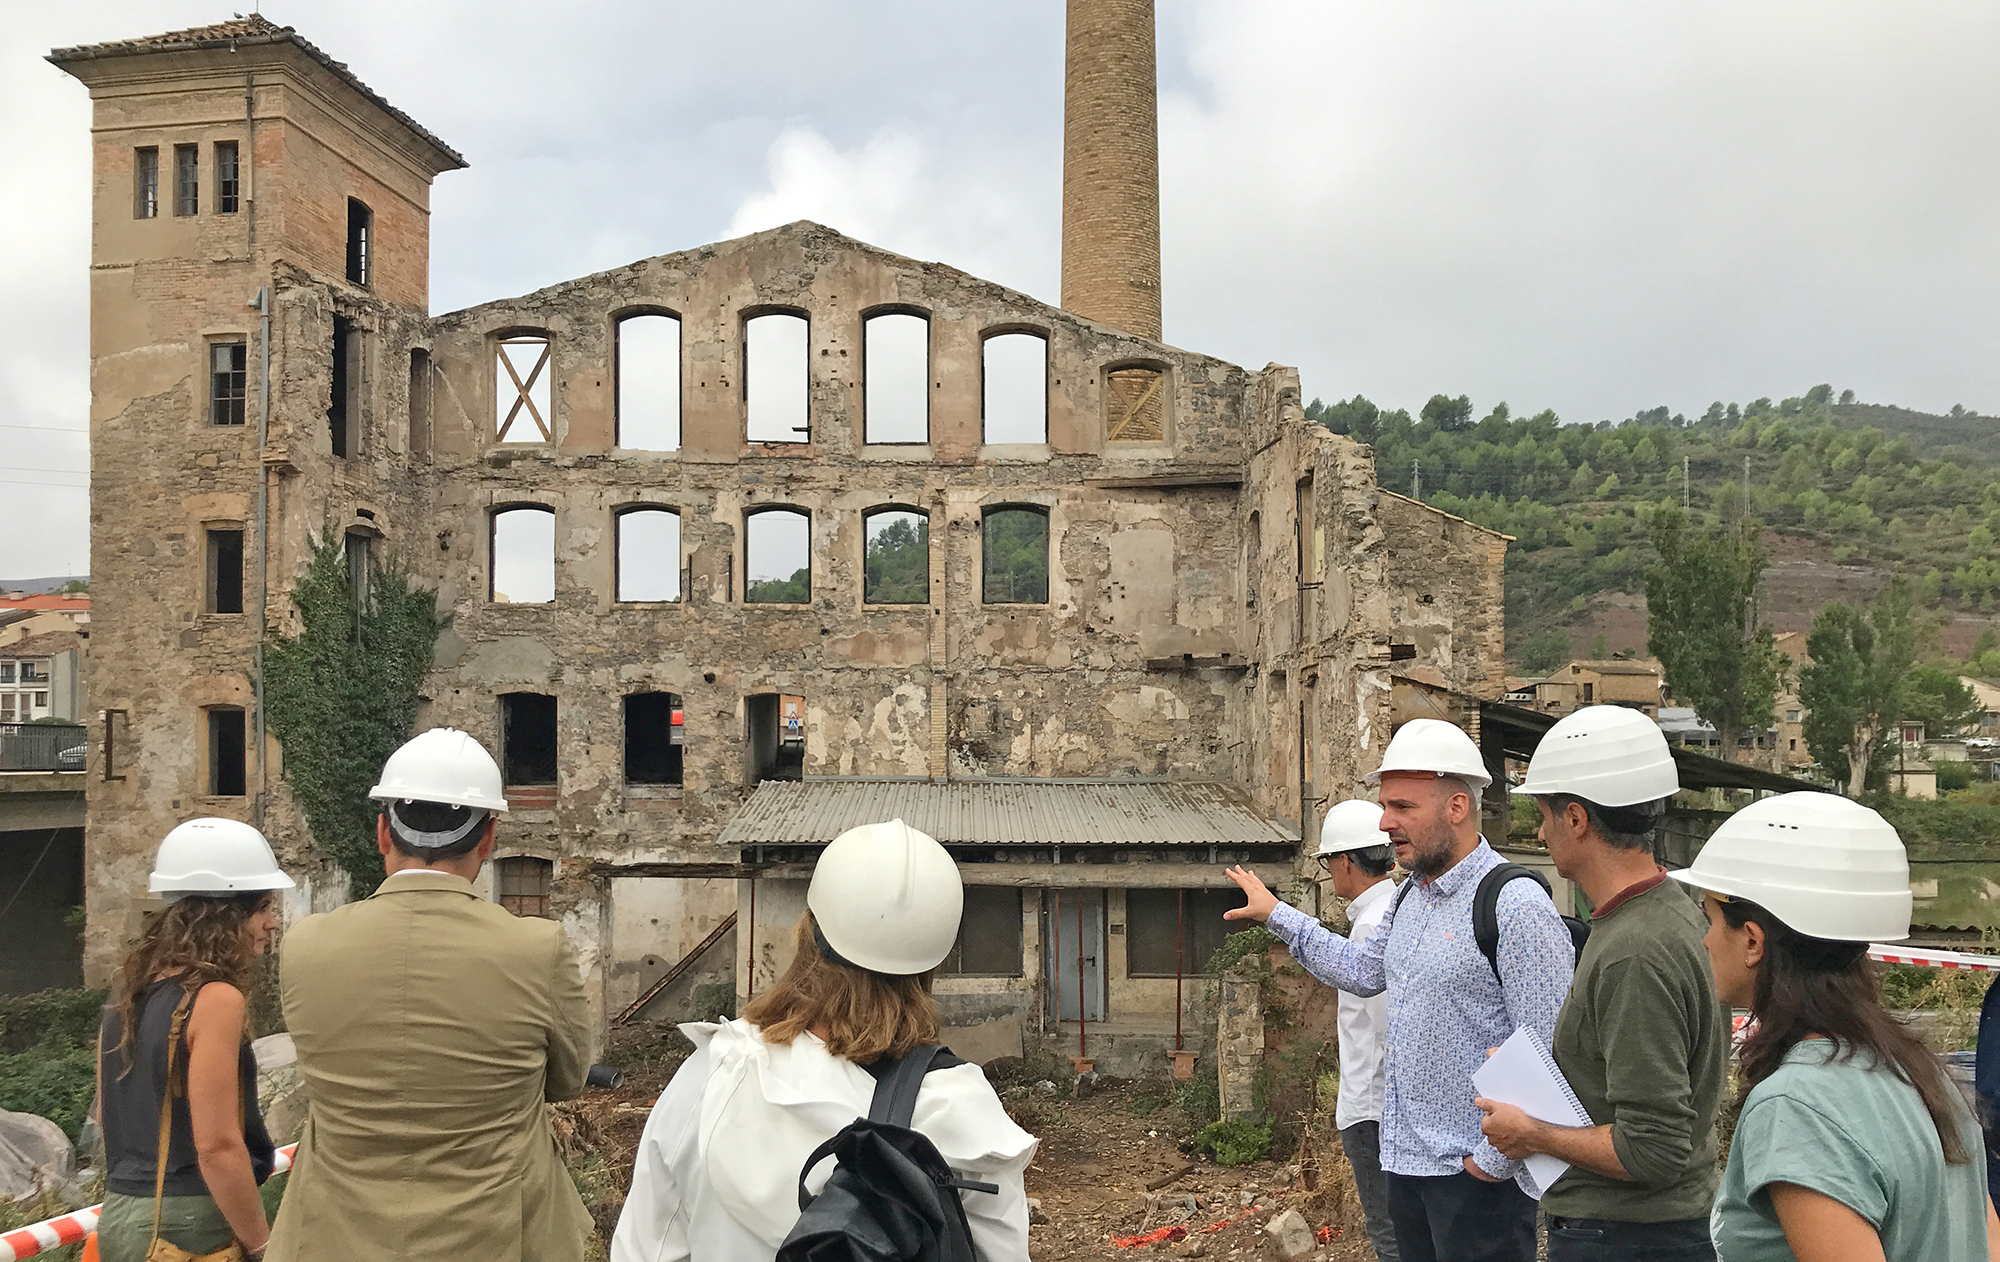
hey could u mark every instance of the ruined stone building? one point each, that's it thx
(741, 545)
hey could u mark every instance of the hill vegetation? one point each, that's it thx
(1901, 491)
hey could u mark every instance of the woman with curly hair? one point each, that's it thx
(184, 1143)
(1851, 1144)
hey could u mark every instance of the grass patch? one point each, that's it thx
(48, 1054)
(1235, 1143)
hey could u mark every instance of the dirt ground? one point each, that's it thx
(1111, 1165)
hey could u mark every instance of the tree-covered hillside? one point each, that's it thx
(1923, 502)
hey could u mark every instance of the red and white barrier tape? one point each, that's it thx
(1891, 954)
(71, 1228)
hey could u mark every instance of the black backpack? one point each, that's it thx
(891, 1197)
(1486, 912)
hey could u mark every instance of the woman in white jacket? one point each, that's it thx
(716, 1178)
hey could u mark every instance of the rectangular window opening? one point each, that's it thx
(776, 736)
(340, 408)
(895, 374)
(775, 369)
(522, 565)
(228, 382)
(896, 561)
(648, 542)
(521, 375)
(524, 885)
(360, 572)
(187, 179)
(1015, 567)
(649, 382)
(528, 738)
(360, 245)
(146, 183)
(1014, 389)
(225, 571)
(1153, 918)
(226, 778)
(420, 405)
(989, 934)
(228, 184)
(653, 738)
(1135, 407)
(777, 557)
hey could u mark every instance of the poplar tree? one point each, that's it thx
(1701, 610)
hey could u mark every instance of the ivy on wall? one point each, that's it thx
(341, 695)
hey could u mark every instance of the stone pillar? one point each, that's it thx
(1111, 166)
(1239, 1043)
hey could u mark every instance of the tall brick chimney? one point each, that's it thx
(1111, 166)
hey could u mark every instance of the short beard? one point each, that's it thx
(1432, 856)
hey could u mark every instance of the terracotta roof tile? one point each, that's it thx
(47, 644)
(255, 28)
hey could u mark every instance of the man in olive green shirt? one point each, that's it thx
(1641, 1037)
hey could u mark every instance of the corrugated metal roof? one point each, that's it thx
(1007, 813)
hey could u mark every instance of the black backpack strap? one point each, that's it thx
(897, 1084)
(1486, 908)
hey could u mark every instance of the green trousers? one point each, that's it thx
(125, 1229)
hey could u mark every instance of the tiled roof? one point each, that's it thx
(1007, 813)
(246, 30)
(47, 644)
(68, 604)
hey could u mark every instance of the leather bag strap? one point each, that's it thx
(174, 1032)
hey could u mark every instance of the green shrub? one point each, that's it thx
(48, 1054)
(1235, 1143)
(1200, 1097)
(714, 1001)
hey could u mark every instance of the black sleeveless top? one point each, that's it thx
(131, 1102)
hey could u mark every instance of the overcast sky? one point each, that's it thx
(1586, 206)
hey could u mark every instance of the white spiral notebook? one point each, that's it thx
(1523, 1073)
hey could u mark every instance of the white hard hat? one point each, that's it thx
(1352, 825)
(1605, 754)
(1435, 746)
(1829, 868)
(887, 898)
(443, 765)
(215, 857)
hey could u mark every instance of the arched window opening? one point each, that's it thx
(653, 738)
(521, 391)
(648, 541)
(523, 570)
(524, 885)
(896, 561)
(774, 378)
(1135, 405)
(895, 372)
(1015, 564)
(775, 736)
(649, 382)
(777, 556)
(1014, 399)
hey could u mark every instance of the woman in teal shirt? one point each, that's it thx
(1851, 1145)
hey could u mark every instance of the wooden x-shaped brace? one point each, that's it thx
(522, 389)
(1133, 408)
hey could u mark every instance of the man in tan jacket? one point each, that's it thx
(432, 1027)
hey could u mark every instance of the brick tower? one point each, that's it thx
(1111, 166)
(254, 206)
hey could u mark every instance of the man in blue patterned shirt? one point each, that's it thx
(1453, 1196)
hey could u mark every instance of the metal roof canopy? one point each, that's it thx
(1518, 731)
(813, 812)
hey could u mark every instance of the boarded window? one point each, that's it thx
(524, 556)
(146, 183)
(1135, 405)
(649, 554)
(225, 571)
(896, 567)
(521, 375)
(187, 179)
(1015, 566)
(524, 884)
(228, 181)
(989, 934)
(228, 382)
(360, 572)
(528, 738)
(896, 369)
(653, 738)
(1014, 399)
(777, 556)
(1157, 920)
(649, 382)
(360, 242)
(774, 379)
(226, 776)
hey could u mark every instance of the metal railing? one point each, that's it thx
(43, 746)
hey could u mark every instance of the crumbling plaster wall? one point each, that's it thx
(1447, 594)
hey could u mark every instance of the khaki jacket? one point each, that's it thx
(431, 1027)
